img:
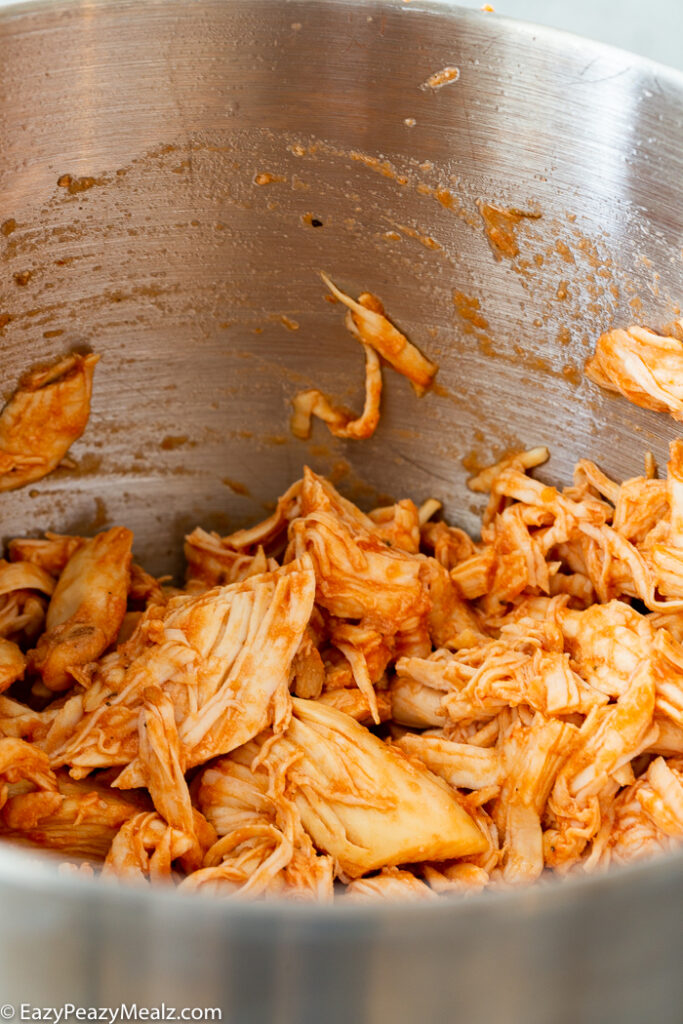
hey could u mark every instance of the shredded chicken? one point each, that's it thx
(366, 705)
(367, 321)
(645, 367)
(43, 418)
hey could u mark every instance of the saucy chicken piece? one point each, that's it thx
(362, 801)
(43, 418)
(357, 575)
(609, 738)
(368, 319)
(145, 849)
(645, 367)
(341, 422)
(79, 819)
(263, 849)
(223, 658)
(86, 609)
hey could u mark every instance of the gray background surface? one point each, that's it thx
(652, 28)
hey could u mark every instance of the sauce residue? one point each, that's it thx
(441, 78)
(236, 486)
(8, 226)
(76, 185)
(266, 178)
(426, 240)
(171, 442)
(468, 307)
(500, 223)
(291, 325)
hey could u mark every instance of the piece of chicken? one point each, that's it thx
(86, 609)
(462, 765)
(645, 367)
(532, 755)
(609, 738)
(368, 318)
(213, 564)
(363, 801)
(43, 418)
(390, 884)
(263, 849)
(341, 422)
(49, 553)
(12, 664)
(163, 767)
(357, 575)
(223, 658)
(23, 591)
(145, 849)
(355, 704)
(79, 819)
(23, 767)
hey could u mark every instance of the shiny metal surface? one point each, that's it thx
(160, 251)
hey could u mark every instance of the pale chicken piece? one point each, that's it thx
(609, 738)
(362, 801)
(416, 704)
(308, 668)
(263, 849)
(145, 849)
(223, 658)
(341, 422)
(86, 608)
(79, 819)
(458, 878)
(368, 318)
(667, 666)
(531, 756)
(23, 575)
(392, 884)
(669, 739)
(588, 479)
(357, 575)
(355, 704)
(43, 418)
(163, 768)
(212, 563)
(461, 765)
(645, 367)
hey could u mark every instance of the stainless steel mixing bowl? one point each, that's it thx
(133, 137)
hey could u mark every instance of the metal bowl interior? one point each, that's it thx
(134, 137)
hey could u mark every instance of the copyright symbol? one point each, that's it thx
(7, 1011)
